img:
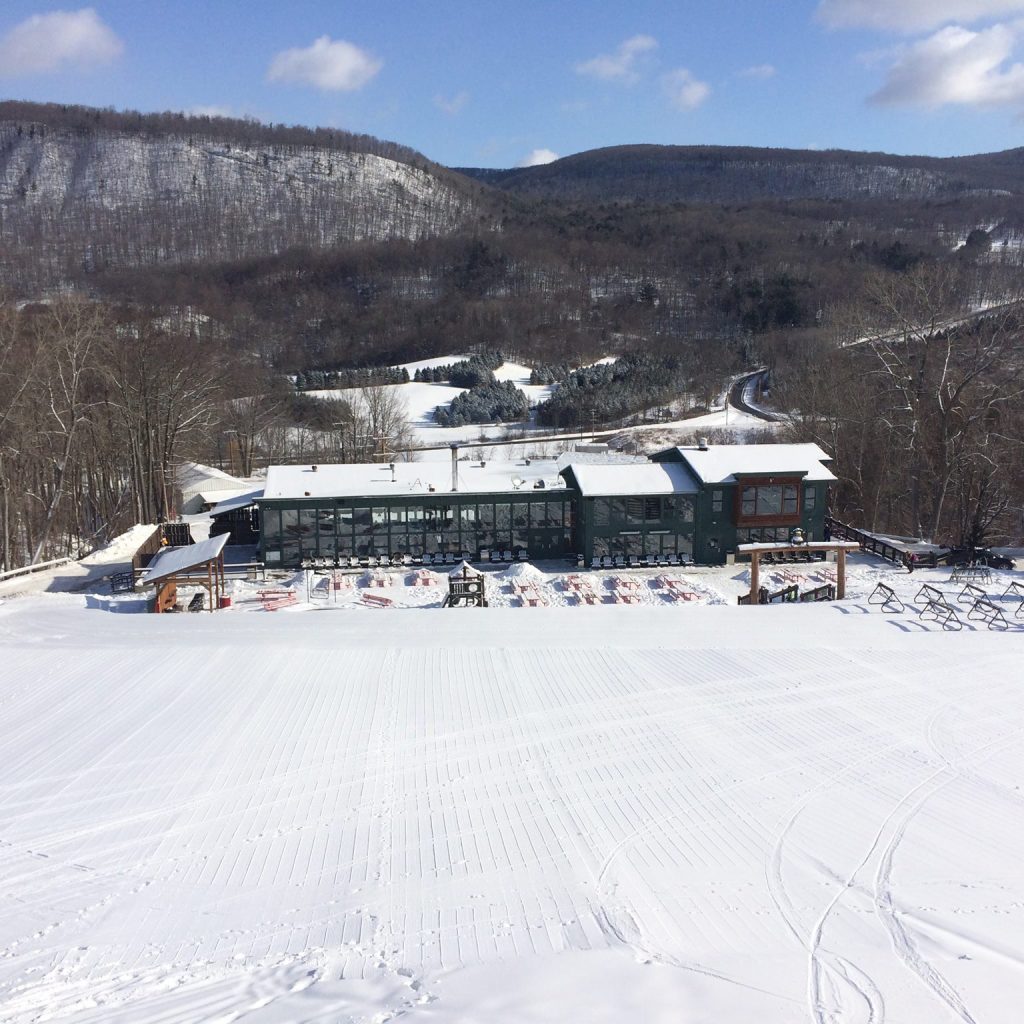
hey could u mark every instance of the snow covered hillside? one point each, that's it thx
(122, 199)
(691, 813)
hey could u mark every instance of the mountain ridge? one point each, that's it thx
(91, 190)
(745, 173)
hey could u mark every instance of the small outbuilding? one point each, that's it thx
(198, 565)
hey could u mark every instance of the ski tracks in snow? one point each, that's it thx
(902, 943)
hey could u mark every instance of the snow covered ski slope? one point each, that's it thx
(609, 814)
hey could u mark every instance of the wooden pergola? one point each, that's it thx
(198, 565)
(840, 547)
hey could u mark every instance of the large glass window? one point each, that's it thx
(539, 514)
(602, 511)
(271, 525)
(307, 532)
(769, 500)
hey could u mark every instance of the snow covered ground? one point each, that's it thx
(420, 400)
(681, 811)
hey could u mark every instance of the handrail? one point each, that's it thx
(867, 542)
(27, 570)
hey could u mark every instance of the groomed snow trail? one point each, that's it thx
(722, 815)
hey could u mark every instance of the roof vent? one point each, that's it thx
(703, 445)
(313, 468)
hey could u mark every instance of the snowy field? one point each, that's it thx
(420, 401)
(682, 811)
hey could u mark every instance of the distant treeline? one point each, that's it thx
(245, 132)
(610, 392)
(357, 377)
(488, 402)
(467, 373)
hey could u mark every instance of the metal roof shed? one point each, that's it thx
(199, 564)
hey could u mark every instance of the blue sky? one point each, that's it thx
(496, 84)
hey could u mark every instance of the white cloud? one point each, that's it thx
(620, 66)
(538, 157)
(452, 105)
(50, 42)
(685, 92)
(957, 66)
(330, 65)
(912, 15)
(759, 71)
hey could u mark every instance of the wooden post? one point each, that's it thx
(755, 575)
(841, 574)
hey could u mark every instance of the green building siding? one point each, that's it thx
(545, 523)
(718, 534)
(540, 522)
(637, 525)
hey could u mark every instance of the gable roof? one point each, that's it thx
(594, 480)
(172, 561)
(724, 463)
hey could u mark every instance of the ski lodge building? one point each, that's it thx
(694, 503)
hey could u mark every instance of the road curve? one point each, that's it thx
(739, 390)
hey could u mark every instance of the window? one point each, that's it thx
(810, 496)
(768, 500)
(602, 512)
(717, 497)
(271, 523)
(679, 507)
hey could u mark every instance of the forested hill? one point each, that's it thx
(84, 190)
(720, 174)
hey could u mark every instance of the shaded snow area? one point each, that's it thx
(684, 811)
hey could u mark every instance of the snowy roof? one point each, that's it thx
(644, 478)
(723, 463)
(408, 478)
(172, 561)
(195, 476)
(238, 501)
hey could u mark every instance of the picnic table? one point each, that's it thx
(626, 583)
(679, 589)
